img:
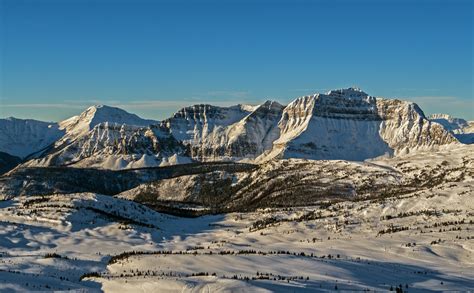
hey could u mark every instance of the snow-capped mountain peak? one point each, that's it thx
(348, 93)
(449, 122)
(343, 124)
(463, 130)
(270, 104)
(247, 107)
(94, 115)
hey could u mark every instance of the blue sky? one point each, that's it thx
(153, 57)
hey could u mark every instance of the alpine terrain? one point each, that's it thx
(340, 191)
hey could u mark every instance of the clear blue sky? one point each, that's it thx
(152, 57)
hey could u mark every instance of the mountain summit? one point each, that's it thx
(343, 124)
(94, 115)
(463, 130)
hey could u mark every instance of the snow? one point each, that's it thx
(23, 137)
(90, 228)
(116, 146)
(195, 123)
(339, 139)
(463, 130)
(421, 238)
(366, 260)
(345, 124)
(94, 115)
(348, 124)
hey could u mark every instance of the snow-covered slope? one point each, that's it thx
(117, 146)
(256, 132)
(111, 138)
(419, 239)
(345, 124)
(94, 115)
(405, 128)
(463, 130)
(23, 137)
(224, 133)
(348, 124)
(449, 122)
(340, 125)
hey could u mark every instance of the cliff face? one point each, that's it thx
(348, 124)
(345, 124)
(115, 146)
(463, 130)
(339, 125)
(405, 128)
(219, 133)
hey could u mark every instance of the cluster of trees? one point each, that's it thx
(151, 273)
(436, 241)
(450, 223)
(272, 221)
(268, 276)
(447, 223)
(122, 256)
(399, 288)
(54, 255)
(29, 202)
(467, 237)
(392, 229)
(115, 216)
(417, 213)
(90, 275)
(202, 274)
(264, 223)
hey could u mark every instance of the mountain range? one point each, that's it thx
(344, 124)
(260, 198)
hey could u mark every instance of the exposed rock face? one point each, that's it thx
(345, 124)
(115, 146)
(405, 128)
(258, 130)
(463, 130)
(80, 125)
(111, 138)
(348, 124)
(339, 125)
(233, 133)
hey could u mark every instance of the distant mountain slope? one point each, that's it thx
(117, 146)
(94, 115)
(463, 130)
(345, 124)
(111, 138)
(8, 162)
(226, 133)
(23, 137)
(348, 124)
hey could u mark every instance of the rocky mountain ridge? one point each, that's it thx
(462, 129)
(345, 124)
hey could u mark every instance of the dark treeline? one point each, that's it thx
(125, 255)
